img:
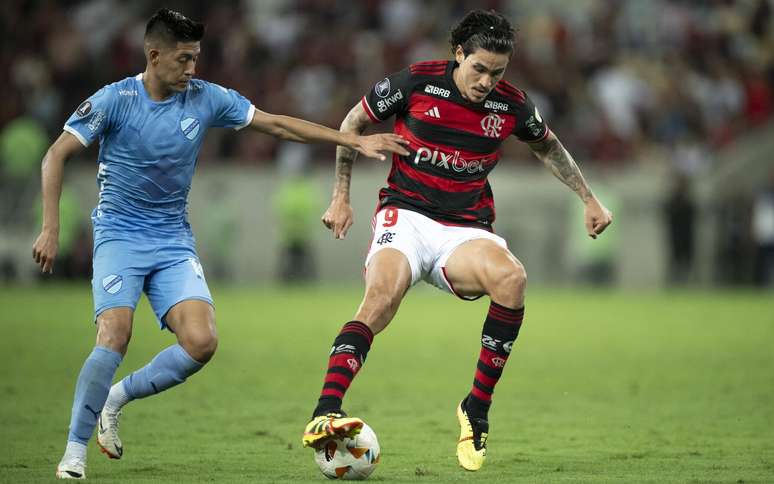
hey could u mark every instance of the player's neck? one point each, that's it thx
(155, 89)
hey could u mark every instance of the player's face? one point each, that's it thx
(177, 65)
(479, 72)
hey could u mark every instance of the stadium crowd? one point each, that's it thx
(620, 80)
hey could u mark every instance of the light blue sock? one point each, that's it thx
(91, 391)
(167, 369)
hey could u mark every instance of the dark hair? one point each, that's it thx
(170, 27)
(481, 29)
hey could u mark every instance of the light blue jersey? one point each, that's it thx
(148, 151)
(147, 155)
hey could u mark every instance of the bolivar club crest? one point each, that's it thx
(190, 127)
(492, 125)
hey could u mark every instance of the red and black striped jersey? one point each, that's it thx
(453, 144)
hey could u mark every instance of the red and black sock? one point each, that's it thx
(501, 329)
(348, 354)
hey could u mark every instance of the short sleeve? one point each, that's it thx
(93, 117)
(229, 108)
(388, 97)
(530, 126)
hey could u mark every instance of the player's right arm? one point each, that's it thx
(45, 248)
(339, 216)
(385, 99)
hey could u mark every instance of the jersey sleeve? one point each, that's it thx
(388, 96)
(229, 108)
(530, 126)
(93, 117)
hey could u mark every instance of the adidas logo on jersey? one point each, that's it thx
(433, 112)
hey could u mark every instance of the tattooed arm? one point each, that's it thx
(551, 152)
(338, 217)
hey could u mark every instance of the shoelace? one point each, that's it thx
(113, 420)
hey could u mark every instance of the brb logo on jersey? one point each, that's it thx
(492, 124)
(190, 127)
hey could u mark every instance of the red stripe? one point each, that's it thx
(332, 392)
(516, 94)
(415, 143)
(341, 360)
(486, 380)
(456, 116)
(338, 378)
(368, 111)
(354, 328)
(481, 395)
(429, 63)
(487, 356)
(429, 70)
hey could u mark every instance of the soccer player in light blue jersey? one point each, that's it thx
(150, 129)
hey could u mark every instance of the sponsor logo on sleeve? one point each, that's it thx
(96, 120)
(535, 124)
(83, 109)
(127, 92)
(383, 88)
(384, 104)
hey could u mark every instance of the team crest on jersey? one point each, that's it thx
(83, 109)
(112, 283)
(190, 127)
(383, 88)
(492, 125)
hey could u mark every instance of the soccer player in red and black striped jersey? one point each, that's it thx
(434, 219)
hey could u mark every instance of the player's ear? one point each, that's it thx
(459, 54)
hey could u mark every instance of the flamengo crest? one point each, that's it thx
(492, 124)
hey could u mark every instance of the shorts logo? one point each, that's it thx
(83, 109)
(382, 88)
(112, 283)
(492, 124)
(190, 127)
(385, 238)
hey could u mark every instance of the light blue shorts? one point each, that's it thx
(168, 274)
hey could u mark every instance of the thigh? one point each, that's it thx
(387, 278)
(472, 266)
(119, 270)
(179, 278)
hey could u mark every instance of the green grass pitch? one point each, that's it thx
(601, 387)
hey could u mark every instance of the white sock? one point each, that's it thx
(75, 450)
(117, 397)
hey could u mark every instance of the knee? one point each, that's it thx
(201, 345)
(507, 283)
(114, 332)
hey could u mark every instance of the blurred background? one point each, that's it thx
(668, 106)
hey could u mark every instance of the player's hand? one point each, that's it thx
(374, 145)
(338, 217)
(44, 250)
(596, 217)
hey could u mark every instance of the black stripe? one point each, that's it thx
(482, 387)
(457, 139)
(488, 370)
(342, 370)
(335, 386)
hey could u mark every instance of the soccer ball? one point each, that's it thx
(349, 459)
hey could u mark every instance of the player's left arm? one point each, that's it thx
(553, 154)
(294, 129)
